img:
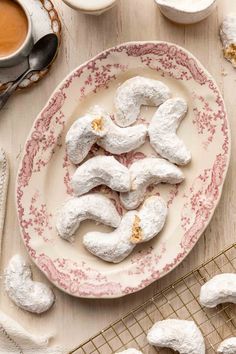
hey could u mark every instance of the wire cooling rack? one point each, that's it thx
(179, 300)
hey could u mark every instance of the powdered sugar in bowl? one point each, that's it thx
(186, 11)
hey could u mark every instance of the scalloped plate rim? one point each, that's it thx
(121, 294)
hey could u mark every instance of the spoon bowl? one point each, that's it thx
(43, 52)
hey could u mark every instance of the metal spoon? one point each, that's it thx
(40, 57)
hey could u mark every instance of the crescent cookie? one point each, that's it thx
(120, 140)
(228, 37)
(220, 289)
(82, 135)
(178, 335)
(98, 127)
(162, 131)
(228, 346)
(100, 170)
(94, 206)
(146, 172)
(27, 294)
(135, 227)
(134, 93)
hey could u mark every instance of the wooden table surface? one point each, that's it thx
(74, 320)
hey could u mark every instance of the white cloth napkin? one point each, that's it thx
(14, 339)
(4, 176)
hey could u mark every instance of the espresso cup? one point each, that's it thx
(23, 51)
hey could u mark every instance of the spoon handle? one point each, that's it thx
(5, 96)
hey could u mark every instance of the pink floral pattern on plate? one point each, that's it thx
(191, 205)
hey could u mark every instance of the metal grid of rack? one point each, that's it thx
(179, 300)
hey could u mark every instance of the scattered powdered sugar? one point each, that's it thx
(27, 294)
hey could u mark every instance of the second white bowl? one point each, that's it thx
(186, 12)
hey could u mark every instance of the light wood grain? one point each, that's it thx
(73, 320)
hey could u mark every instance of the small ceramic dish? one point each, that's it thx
(186, 11)
(92, 7)
(22, 52)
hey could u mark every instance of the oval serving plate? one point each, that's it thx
(44, 172)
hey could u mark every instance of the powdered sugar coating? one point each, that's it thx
(135, 227)
(115, 246)
(162, 131)
(100, 170)
(92, 206)
(228, 346)
(228, 37)
(146, 172)
(134, 93)
(220, 289)
(84, 133)
(130, 351)
(120, 140)
(153, 216)
(81, 136)
(27, 294)
(179, 335)
(228, 30)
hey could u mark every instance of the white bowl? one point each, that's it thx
(21, 53)
(184, 12)
(92, 7)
